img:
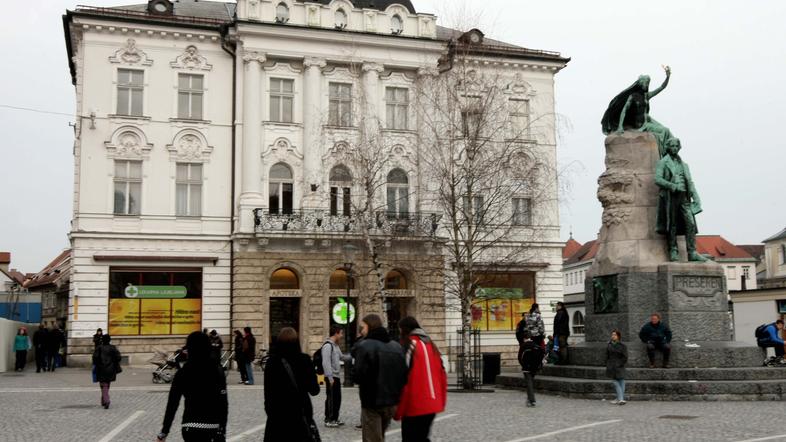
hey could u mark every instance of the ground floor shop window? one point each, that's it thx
(284, 312)
(500, 300)
(154, 301)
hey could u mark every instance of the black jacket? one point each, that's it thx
(204, 386)
(216, 347)
(40, 339)
(106, 358)
(54, 340)
(379, 370)
(531, 356)
(657, 334)
(249, 347)
(561, 323)
(238, 348)
(287, 406)
(616, 358)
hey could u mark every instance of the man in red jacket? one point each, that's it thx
(426, 391)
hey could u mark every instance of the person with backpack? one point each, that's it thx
(535, 328)
(616, 358)
(768, 335)
(202, 383)
(106, 358)
(531, 359)
(425, 393)
(327, 361)
(380, 372)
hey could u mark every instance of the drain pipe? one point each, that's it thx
(230, 48)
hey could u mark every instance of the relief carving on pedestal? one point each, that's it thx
(616, 193)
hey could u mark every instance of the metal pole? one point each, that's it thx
(348, 364)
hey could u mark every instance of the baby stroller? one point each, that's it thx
(167, 365)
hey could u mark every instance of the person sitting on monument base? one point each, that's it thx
(678, 202)
(772, 339)
(657, 336)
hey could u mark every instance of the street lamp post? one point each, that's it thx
(349, 255)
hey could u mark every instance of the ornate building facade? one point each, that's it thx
(223, 174)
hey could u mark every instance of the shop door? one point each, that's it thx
(284, 312)
(399, 308)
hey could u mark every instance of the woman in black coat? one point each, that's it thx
(239, 359)
(201, 381)
(106, 359)
(616, 358)
(289, 379)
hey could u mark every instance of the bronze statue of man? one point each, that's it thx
(678, 202)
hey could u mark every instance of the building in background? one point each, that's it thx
(52, 285)
(16, 302)
(577, 260)
(217, 185)
(768, 302)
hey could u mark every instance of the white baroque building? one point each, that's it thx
(212, 186)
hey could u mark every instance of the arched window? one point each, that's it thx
(338, 280)
(282, 13)
(398, 193)
(281, 190)
(340, 190)
(578, 323)
(284, 279)
(396, 25)
(341, 19)
(395, 280)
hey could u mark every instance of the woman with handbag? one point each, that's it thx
(106, 359)
(201, 381)
(289, 379)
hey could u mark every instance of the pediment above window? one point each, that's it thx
(282, 146)
(130, 55)
(128, 143)
(189, 146)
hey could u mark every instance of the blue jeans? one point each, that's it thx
(619, 387)
(250, 373)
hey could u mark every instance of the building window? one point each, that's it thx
(396, 24)
(474, 213)
(731, 272)
(340, 106)
(190, 91)
(130, 88)
(128, 187)
(397, 193)
(396, 107)
(282, 95)
(500, 299)
(341, 19)
(519, 119)
(746, 273)
(338, 280)
(470, 123)
(578, 323)
(284, 279)
(340, 191)
(281, 190)
(522, 215)
(566, 279)
(783, 253)
(395, 280)
(188, 199)
(154, 301)
(282, 13)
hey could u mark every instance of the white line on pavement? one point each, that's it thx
(565, 430)
(398, 430)
(122, 426)
(780, 436)
(248, 432)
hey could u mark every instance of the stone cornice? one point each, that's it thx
(151, 31)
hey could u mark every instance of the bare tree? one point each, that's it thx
(486, 172)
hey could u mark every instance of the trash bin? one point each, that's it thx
(492, 363)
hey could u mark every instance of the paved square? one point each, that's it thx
(64, 406)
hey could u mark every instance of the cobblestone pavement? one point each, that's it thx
(64, 406)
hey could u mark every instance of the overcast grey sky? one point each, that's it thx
(726, 102)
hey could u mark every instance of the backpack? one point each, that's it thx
(533, 325)
(317, 359)
(761, 331)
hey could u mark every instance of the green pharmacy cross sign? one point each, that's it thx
(342, 310)
(155, 291)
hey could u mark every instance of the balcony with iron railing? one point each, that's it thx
(317, 221)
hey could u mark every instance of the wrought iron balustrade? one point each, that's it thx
(321, 221)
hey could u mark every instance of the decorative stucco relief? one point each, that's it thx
(189, 146)
(128, 143)
(282, 147)
(191, 59)
(130, 55)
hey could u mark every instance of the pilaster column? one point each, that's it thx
(250, 190)
(371, 73)
(312, 123)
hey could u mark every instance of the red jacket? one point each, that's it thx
(427, 384)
